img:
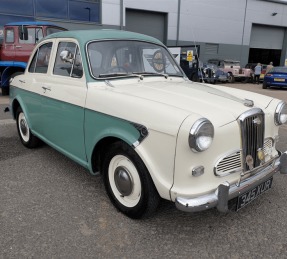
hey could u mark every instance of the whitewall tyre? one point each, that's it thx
(27, 137)
(128, 183)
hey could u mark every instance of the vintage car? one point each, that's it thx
(251, 66)
(233, 69)
(118, 104)
(210, 73)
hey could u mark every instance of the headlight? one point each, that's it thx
(281, 113)
(201, 135)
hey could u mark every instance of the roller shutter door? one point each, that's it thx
(149, 23)
(266, 37)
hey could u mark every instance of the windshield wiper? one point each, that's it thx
(112, 74)
(151, 73)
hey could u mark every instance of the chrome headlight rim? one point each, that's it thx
(199, 130)
(278, 112)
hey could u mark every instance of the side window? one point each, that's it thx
(40, 61)
(9, 35)
(68, 60)
(34, 35)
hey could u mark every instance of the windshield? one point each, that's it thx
(232, 63)
(126, 58)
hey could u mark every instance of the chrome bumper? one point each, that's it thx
(226, 192)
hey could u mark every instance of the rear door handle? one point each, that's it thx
(18, 47)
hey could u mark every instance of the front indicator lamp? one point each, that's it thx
(201, 135)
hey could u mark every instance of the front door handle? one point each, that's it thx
(46, 88)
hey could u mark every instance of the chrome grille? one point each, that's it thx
(228, 164)
(252, 135)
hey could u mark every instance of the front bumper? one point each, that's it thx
(225, 192)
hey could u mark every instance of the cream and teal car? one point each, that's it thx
(118, 104)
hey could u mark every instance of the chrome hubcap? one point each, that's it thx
(123, 181)
(23, 127)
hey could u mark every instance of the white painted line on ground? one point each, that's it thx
(7, 122)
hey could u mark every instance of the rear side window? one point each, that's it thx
(40, 61)
(68, 60)
(9, 35)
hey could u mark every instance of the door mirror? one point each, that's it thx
(23, 33)
(67, 56)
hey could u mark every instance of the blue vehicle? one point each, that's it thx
(276, 77)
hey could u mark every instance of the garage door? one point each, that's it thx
(149, 23)
(266, 37)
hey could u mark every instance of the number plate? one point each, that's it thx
(251, 195)
(279, 79)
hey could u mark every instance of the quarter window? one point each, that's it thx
(40, 61)
(9, 36)
(68, 60)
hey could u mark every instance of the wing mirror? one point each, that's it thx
(67, 56)
(23, 33)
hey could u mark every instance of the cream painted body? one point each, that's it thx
(167, 107)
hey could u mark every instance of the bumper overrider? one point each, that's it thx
(225, 192)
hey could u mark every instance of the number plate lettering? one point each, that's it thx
(251, 195)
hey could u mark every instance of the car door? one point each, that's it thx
(33, 85)
(8, 51)
(64, 102)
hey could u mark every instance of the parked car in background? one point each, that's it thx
(263, 71)
(276, 77)
(118, 103)
(252, 66)
(233, 69)
(210, 73)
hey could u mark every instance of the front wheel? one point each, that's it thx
(128, 183)
(28, 139)
(264, 85)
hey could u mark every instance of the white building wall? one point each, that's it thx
(224, 22)
(211, 21)
(219, 21)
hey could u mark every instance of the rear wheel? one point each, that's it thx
(264, 85)
(6, 90)
(230, 78)
(128, 183)
(28, 139)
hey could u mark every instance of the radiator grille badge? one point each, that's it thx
(249, 161)
(257, 121)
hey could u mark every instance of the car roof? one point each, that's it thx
(84, 36)
(32, 23)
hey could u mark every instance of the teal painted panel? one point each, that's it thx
(31, 104)
(63, 126)
(99, 126)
